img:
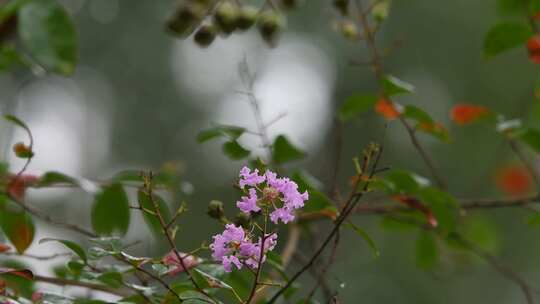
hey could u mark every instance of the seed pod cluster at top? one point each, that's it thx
(206, 19)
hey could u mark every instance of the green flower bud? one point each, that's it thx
(205, 35)
(247, 17)
(270, 23)
(342, 6)
(348, 29)
(215, 210)
(242, 219)
(226, 16)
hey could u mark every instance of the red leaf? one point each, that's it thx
(18, 184)
(514, 180)
(4, 247)
(533, 47)
(387, 109)
(23, 273)
(463, 114)
(417, 205)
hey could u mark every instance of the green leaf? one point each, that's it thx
(283, 151)
(531, 137)
(149, 215)
(443, 206)
(318, 202)
(52, 177)
(76, 248)
(234, 150)
(112, 279)
(230, 132)
(355, 105)
(9, 57)
(48, 34)
(417, 114)
(17, 225)
(110, 213)
(402, 181)
(15, 120)
(427, 253)
(366, 238)
(482, 232)
(394, 86)
(10, 8)
(505, 36)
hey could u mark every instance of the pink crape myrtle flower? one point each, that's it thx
(249, 203)
(275, 189)
(171, 259)
(234, 249)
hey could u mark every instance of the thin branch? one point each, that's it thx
(377, 66)
(92, 286)
(163, 224)
(349, 206)
(37, 257)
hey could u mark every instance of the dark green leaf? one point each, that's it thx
(366, 238)
(394, 86)
(9, 57)
(443, 206)
(231, 132)
(427, 253)
(234, 150)
(402, 181)
(16, 121)
(52, 177)
(283, 151)
(149, 212)
(318, 202)
(48, 34)
(69, 244)
(482, 232)
(531, 137)
(505, 36)
(110, 213)
(112, 279)
(355, 105)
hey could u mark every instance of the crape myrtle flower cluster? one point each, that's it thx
(234, 247)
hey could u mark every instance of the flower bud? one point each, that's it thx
(205, 35)
(242, 219)
(342, 6)
(348, 29)
(226, 16)
(22, 150)
(269, 25)
(215, 210)
(247, 17)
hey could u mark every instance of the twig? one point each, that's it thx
(378, 71)
(163, 224)
(66, 282)
(37, 257)
(349, 206)
(260, 261)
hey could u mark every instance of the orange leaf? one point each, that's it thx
(18, 183)
(417, 205)
(387, 109)
(23, 273)
(463, 114)
(514, 180)
(4, 247)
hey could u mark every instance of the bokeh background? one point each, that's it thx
(139, 97)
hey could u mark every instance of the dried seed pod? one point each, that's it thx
(205, 35)
(270, 23)
(342, 6)
(185, 19)
(247, 17)
(225, 17)
(289, 4)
